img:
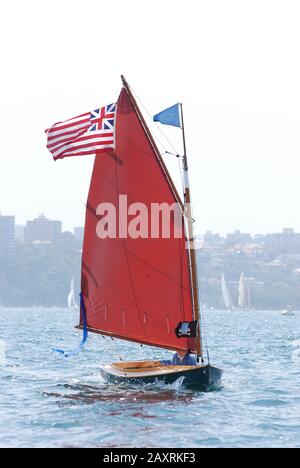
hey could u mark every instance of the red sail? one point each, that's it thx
(134, 289)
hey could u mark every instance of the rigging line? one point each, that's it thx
(148, 155)
(202, 322)
(156, 126)
(181, 174)
(143, 349)
(154, 352)
(181, 278)
(204, 328)
(140, 150)
(116, 351)
(144, 154)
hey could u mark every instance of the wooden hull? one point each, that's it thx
(147, 372)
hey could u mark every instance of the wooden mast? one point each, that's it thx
(191, 246)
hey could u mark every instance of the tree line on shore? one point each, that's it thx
(40, 275)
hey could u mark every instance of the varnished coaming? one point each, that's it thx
(144, 368)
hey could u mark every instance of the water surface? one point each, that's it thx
(50, 401)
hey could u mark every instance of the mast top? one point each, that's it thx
(124, 81)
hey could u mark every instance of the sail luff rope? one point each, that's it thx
(176, 153)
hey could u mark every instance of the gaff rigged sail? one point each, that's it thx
(135, 289)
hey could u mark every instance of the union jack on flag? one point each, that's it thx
(88, 133)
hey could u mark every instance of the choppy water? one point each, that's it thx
(50, 401)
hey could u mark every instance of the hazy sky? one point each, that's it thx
(234, 64)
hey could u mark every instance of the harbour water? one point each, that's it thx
(50, 401)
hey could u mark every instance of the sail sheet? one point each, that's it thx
(134, 289)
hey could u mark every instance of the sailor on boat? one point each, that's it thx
(180, 358)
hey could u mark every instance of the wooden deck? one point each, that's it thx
(144, 369)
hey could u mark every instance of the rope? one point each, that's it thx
(150, 115)
(116, 352)
(204, 330)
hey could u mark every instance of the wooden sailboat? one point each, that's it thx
(141, 289)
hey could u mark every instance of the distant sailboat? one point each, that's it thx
(244, 294)
(72, 304)
(288, 311)
(226, 294)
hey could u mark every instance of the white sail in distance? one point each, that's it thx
(242, 301)
(226, 294)
(72, 304)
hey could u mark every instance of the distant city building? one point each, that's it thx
(238, 237)
(286, 241)
(19, 232)
(7, 236)
(79, 233)
(259, 238)
(212, 239)
(42, 229)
